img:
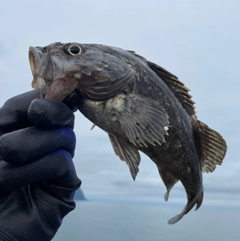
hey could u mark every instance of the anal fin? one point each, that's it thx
(126, 152)
(168, 179)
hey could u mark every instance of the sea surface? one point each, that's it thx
(109, 221)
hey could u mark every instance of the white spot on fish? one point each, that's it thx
(166, 128)
(77, 75)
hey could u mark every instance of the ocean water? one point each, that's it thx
(99, 221)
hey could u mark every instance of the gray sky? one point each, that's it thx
(196, 40)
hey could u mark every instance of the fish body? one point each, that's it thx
(140, 105)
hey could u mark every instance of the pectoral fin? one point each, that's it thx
(126, 152)
(142, 120)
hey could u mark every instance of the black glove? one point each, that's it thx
(37, 175)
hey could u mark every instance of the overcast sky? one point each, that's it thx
(196, 40)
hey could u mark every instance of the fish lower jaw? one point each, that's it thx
(40, 83)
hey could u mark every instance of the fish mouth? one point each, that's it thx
(39, 63)
(32, 60)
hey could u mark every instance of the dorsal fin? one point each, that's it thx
(176, 86)
(213, 147)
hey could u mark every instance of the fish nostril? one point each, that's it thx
(44, 50)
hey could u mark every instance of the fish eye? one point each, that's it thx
(74, 50)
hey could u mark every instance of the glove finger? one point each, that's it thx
(50, 113)
(13, 114)
(32, 143)
(56, 167)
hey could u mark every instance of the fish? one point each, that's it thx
(140, 105)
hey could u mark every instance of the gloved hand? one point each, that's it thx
(37, 174)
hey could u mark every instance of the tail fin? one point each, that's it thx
(191, 202)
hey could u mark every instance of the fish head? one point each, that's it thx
(58, 69)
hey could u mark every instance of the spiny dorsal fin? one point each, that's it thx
(213, 147)
(176, 86)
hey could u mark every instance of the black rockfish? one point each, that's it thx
(139, 104)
